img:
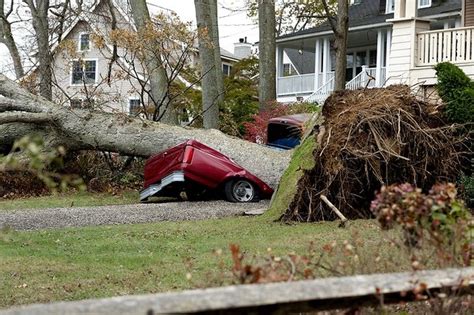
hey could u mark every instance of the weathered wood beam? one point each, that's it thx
(274, 298)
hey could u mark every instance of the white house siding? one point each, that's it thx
(469, 13)
(403, 49)
(113, 97)
(427, 75)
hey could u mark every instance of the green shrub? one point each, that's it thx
(467, 184)
(456, 90)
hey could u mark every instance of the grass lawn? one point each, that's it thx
(82, 199)
(104, 261)
(79, 263)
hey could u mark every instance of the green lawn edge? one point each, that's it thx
(301, 160)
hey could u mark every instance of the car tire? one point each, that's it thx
(240, 190)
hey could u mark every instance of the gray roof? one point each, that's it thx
(228, 54)
(369, 12)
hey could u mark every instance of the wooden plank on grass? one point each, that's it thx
(273, 298)
(256, 211)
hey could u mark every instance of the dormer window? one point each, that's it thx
(424, 4)
(390, 6)
(84, 42)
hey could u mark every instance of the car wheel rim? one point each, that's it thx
(243, 191)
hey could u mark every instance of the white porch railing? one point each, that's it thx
(366, 78)
(320, 95)
(295, 84)
(454, 45)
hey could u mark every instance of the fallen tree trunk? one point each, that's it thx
(22, 113)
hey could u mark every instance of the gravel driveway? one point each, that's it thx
(35, 219)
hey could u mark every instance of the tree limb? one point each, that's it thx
(330, 16)
(8, 105)
(23, 117)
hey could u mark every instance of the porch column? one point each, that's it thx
(388, 50)
(411, 9)
(317, 63)
(378, 70)
(403, 51)
(326, 60)
(399, 9)
(279, 66)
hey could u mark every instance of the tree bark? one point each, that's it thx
(23, 113)
(208, 43)
(217, 52)
(155, 68)
(6, 37)
(267, 49)
(340, 27)
(341, 44)
(39, 14)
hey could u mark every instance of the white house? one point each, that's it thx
(389, 42)
(82, 76)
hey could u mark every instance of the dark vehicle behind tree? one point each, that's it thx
(285, 132)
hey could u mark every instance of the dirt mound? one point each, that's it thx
(370, 138)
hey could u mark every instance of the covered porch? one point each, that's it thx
(305, 66)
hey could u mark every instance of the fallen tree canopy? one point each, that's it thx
(372, 138)
(22, 113)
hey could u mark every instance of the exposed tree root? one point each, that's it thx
(375, 137)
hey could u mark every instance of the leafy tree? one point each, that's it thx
(294, 16)
(154, 65)
(168, 40)
(241, 97)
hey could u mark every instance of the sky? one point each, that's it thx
(233, 23)
(233, 20)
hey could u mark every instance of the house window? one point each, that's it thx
(84, 42)
(373, 59)
(80, 103)
(76, 103)
(390, 6)
(84, 71)
(286, 69)
(424, 4)
(226, 69)
(134, 106)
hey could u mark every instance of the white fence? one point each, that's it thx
(454, 45)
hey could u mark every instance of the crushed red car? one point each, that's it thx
(197, 169)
